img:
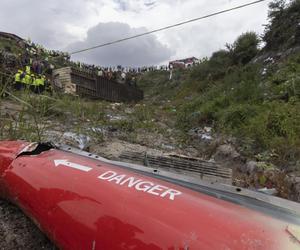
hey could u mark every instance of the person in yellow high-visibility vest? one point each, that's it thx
(28, 81)
(28, 69)
(42, 83)
(23, 80)
(18, 83)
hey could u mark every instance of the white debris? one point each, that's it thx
(97, 130)
(269, 60)
(168, 147)
(204, 134)
(82, 141)
(206, 137)
(207, 129)
(115, 117)
(269, 191)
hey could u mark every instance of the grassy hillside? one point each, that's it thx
(243, 91)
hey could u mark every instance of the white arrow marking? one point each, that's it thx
(72, 165)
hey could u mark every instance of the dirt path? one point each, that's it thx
(18, 232)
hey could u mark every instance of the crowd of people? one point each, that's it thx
(89, 68)
(127, 75)
(29, 78)
(37, 63)
(38, 50)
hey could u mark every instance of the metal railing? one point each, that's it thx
(102, 88)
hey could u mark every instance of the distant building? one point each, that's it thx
(184, 63)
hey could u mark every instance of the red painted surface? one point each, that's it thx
(78, 210)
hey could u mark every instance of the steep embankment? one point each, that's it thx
(250, 97)
(243, 91)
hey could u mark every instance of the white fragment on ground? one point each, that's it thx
(204, 134)
(98, 130)
(82, 141)
(115, 117)
(269, 191)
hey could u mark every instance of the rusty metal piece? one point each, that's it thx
(76, 82)
(204, 168)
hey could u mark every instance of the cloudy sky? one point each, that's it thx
(72, 25)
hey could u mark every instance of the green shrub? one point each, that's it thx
(245, 48)
(213, 69)
(124, 125)
(275, 123)
(143, 113)
(283, 30)
(237, 116)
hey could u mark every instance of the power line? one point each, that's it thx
(168, 27)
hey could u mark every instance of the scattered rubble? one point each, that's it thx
(226, 153)
(201, 134)
(249, 168)
(81, 141)
(269, 179)
(293, 185)
(167, 147)
(113, 149)
(115, 117)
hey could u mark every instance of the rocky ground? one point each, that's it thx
(17, 232)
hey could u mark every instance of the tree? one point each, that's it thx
(245, 48)
(283, 30)
(276, 9)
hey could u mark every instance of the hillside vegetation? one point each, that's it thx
(250, 90)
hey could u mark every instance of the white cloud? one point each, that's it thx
(143, 51)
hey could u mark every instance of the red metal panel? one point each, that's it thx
(87, 204)
(9, 151)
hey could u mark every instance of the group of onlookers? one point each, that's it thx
(40, 62)
(27, 78)
(127, 75)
